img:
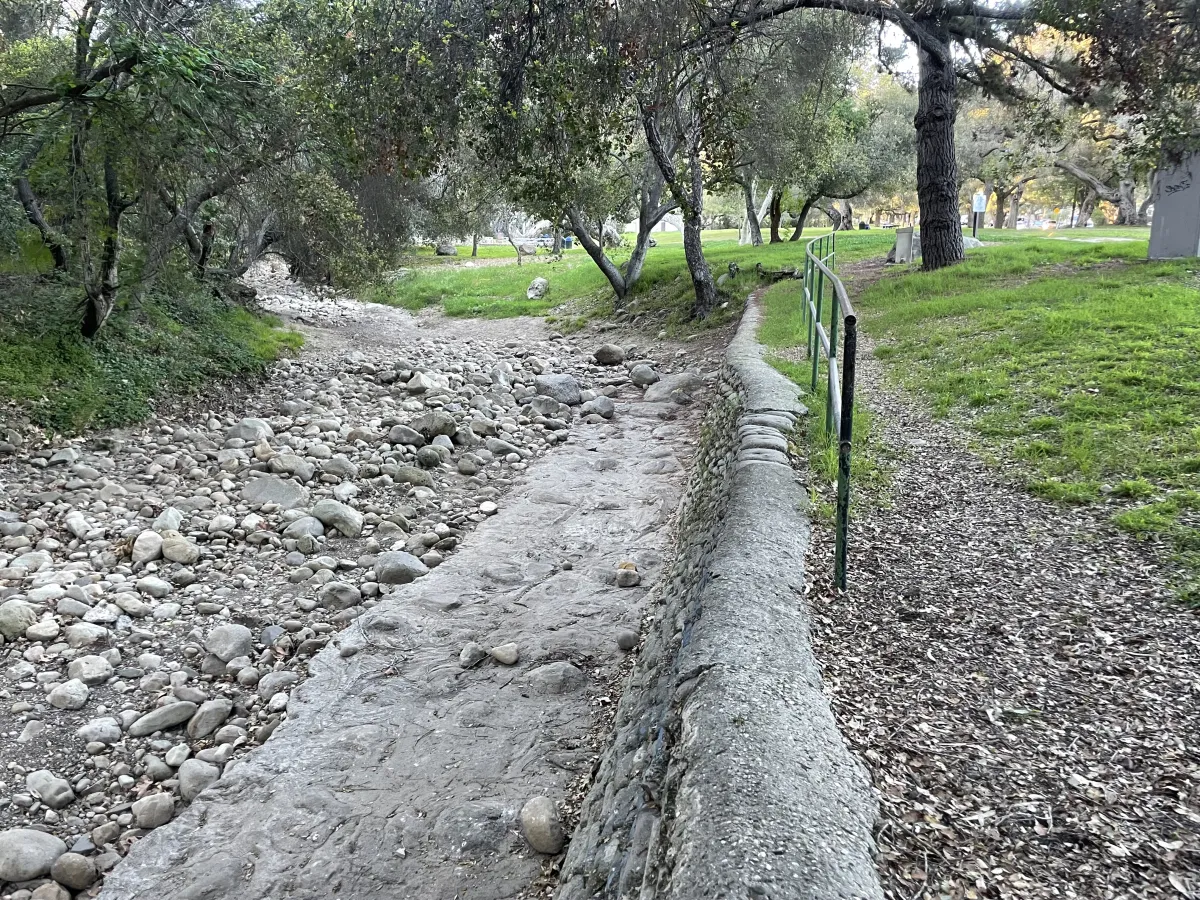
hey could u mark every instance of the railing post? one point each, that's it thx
(845, 437)
(815, 345)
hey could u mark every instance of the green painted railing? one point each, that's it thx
(820, 258)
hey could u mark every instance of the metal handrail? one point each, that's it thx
(839, 400)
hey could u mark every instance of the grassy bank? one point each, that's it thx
(578, 288)
(1076, 361)
(179, 340)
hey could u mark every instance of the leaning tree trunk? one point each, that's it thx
(776, 216)
(753, 229)
(33, 211)
(804, 210)
(595, 249)
(937, 169)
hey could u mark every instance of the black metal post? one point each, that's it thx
(845, 437)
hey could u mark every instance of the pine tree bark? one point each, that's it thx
(937, 168)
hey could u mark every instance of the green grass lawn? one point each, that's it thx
(1078, 360)
(499, 291)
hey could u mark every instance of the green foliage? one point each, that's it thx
(181, 340)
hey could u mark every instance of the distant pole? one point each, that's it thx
(978, 207)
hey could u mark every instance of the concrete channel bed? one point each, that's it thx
(401, 774)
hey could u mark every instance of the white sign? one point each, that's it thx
(979, 203)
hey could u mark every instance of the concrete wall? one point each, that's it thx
(1175, 231)
(726, 776)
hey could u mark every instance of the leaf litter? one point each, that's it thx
(1015, 676)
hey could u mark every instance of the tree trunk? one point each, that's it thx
(689, 195)
(206, 245)
(937, 169)
(847, 216)
(1014, 211)
(556, 249)
(33, 211)
(804, 210)
(102, 291)
(595, 249)
(1127, 213)
(1145, 204)
(753, 229)
(474, 245)
(835, 216)
(776, 216)
(1086, 208)
(1001, 208)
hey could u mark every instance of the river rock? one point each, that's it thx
(398, 567)
(541, 826)
(55, 792)
(91, 670)
(537, 289)
(177, 548)
(147, 547)
(75, 871)
(563, 388)
(251, 431)
(71, 694)
(163, 718)
(194, 776)
(26, 854)
(154, 810)
(15, 617)
(229, 641)
(272, 489)
(643, 375)
(209, 717)
(345, 519)
(609, 355)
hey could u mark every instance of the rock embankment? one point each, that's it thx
(726, 775)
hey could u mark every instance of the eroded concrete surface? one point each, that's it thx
(400, 774)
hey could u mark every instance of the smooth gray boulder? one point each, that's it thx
(398, 567)
(26, 854)
(339, 516)
(15, 617)
(251, 430)
(163, 718)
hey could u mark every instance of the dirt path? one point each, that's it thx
(1015, 676)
